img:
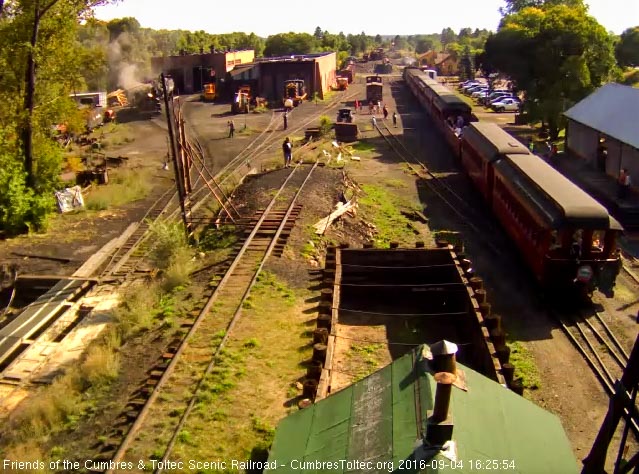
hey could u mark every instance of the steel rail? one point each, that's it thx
(464, 218)
(133, 430)
(236, 316)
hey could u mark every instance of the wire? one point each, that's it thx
(390, 343)
(460, 313)
(397, 267)
(410, 285)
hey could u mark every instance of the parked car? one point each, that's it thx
(467, 83)
(508, 104)
(477, 93)
(471, 86)
(495, 96)
(475, 89)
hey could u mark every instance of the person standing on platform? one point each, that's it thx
(531, 145)
(385, 111)
(356, 105)
(624, 183)
(395, 119)
(602, 156)
(231, 129)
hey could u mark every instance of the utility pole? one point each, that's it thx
(179, 181)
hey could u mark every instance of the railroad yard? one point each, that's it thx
(203, 368)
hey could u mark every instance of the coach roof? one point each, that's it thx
(557, 200)
(491, 141)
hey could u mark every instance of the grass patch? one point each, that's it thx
(525, 366)
(245, 131)
(364, 146)
(395, 183)
(267, 281)
(124, 186)
(213, 239)
(137, 310)
(245, 396)
(383, 208)
(364, 359)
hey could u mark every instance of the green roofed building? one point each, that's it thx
(378, 424)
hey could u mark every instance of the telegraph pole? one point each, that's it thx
(179, 181)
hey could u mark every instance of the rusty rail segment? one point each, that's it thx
(284, 221)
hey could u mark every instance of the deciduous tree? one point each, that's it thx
(555, 55)
(627, 49)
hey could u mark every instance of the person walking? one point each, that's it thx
(374, 122)
(395, 119)
(231, 129)
(287, 148)
(285, 120)
(356, 105)
(602, 157)
(385, 111)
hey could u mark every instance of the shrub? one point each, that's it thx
(137, 309)
(326, 124)
(100, 365)
(168, 239)
(180, 267)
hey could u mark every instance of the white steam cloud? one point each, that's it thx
(126, 73)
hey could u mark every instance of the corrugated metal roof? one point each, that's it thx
(612, 109)
(380, 419)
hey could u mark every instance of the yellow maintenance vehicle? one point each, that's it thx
(208, 92)
(242, 100)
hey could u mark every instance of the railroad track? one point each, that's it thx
(445, 193)
(597, 344)
(589, 333)
(175, 383)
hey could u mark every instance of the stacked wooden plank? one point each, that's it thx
(117, 97)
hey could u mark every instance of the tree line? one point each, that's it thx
(552, 50)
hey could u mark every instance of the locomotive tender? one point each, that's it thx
(373, 88)
(565, 237)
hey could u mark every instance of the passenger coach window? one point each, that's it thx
(597, 241)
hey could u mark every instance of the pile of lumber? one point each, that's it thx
(340, 208)
(117, 97)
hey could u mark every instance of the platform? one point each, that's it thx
(604, 188)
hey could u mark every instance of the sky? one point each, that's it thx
(267, 17)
